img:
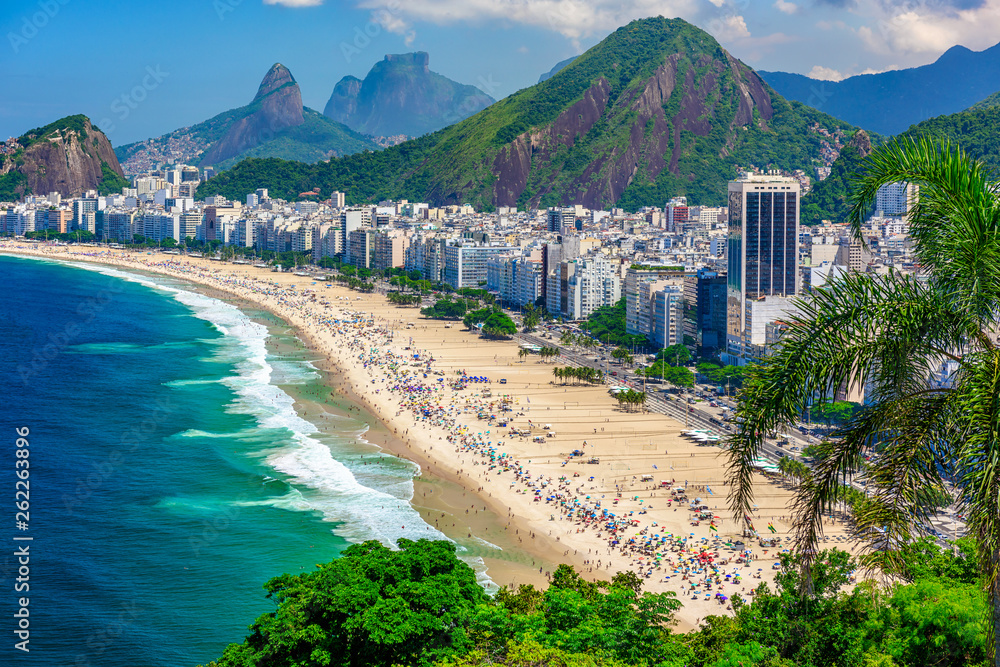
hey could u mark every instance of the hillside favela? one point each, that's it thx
(525, 334)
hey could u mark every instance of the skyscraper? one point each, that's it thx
(762, 255)
(561, 220)
(894, 198)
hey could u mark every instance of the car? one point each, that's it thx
(614, 373)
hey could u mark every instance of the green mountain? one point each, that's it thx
(988, 102)
(976, 130)
(828, 198)
(400, 95)
(274, 124)
(655, 110)
(68, 156)
(555, 68)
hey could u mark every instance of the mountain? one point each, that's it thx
(400, 95)
(828, 199)
(558, 66)
(657, 109)
(976, 130)
(890, 102)
(274, 124)
(69, 156)
(986, 103)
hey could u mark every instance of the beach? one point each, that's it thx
(496, 437)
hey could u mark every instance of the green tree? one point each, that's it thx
(675, 355)
(371, 606)
(892, 329)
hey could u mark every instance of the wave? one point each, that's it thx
(319, 482)
(124, 348)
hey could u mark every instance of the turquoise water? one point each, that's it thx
(171, 475)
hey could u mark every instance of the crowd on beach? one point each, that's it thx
(453, 408)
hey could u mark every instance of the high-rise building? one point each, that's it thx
(705, 311)
(61, 221)
(676, 213)
(352, 220)
(562, 220)
(465, 265)
(591, 284)
(894, 199)
(337, 199)
(666, 322)
(81, 207)
(640, 282)
(762, 256)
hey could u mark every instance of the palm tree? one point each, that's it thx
(891, 334)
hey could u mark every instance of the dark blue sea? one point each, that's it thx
(174, 467)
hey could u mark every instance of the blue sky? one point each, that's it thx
(143, 69)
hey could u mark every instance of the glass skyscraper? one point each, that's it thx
(762, 249)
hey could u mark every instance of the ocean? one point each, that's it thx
(171, 470)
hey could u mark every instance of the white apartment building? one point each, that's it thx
(593, 283)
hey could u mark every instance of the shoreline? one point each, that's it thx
(436, 494)
(634, 450)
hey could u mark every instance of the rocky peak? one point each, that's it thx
(419, 59)
(401, 95)
(277, 105)
(275, 78)
(862, 142)
(68, 156)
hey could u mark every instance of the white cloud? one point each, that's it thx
(930, 28)
(728, 28)
(572, 18)
(829, 74)
(395, 24)
(825, 74)
(294, 3)
(786, 7)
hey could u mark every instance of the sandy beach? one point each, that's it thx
(458, 405)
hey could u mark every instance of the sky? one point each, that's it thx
(139, 70)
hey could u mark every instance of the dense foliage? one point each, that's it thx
(491, 321)
(76, 123)
(420, 606)
(111, 182)
(729, 377)
(446, 309)
(976, 129)
(828, 199)
(578, 374)
(607, 324)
